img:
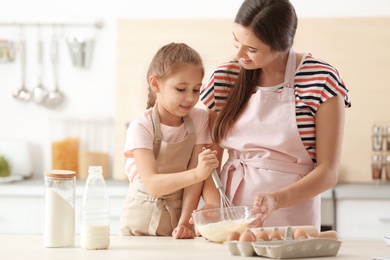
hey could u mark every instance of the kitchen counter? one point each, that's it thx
(118, 188)
(15, 247)
(35, 187)
(115, 188)
(371, 190)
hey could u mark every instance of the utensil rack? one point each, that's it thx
(98, 24)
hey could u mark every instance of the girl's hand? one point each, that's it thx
(207, 161)
(182, 232)
(264, 204)
(206, 206)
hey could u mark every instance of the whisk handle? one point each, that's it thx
(216, 179)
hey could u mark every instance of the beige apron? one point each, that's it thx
(143, 215)
(266, 153)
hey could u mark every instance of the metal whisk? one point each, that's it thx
(225, 201)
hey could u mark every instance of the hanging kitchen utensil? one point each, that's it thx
(55, 98)
(7, 51)
(75, 50)
(40, 93)
(88, 48)
(81, 50)
(22, 94)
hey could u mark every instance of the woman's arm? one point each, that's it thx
(329, 138)
(160, 184)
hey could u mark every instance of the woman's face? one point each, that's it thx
(252, 53)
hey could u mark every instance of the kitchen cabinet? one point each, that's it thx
(354, 210)
(22, 206)
(363, 211)
(21, 215)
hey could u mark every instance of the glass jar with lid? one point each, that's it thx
(376, 165)
(387, 167)
(59, 228)
(79, 142)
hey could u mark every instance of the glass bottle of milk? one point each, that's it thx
(95, 211)
(59, 227)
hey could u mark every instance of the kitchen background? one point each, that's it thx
(103, 97)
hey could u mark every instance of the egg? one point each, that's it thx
(234, 236)
(247, 236)
(328, 234)
(262, 235)
(300, 234)
(275, 235)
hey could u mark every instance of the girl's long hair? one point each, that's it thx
(167, 60)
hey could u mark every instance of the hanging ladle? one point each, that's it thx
(40, 92)
(55, 98)
(22, 94)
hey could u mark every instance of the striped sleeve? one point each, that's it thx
(215, 91)
(317, 81)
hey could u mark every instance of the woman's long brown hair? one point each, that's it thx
(275, 23)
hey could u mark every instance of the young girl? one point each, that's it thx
(165, 163)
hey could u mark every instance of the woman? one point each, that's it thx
(280, 116)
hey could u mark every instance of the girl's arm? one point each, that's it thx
(191, 197)
(160, 184)
(210, 193)
(329, 137)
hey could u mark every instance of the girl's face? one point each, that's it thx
(252, 53)
(178, 93)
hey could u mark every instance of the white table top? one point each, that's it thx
(17, 247)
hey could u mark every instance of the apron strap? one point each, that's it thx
(236, 169)
(157, 213)
(137, 190)
(157, 129)
(289, 76)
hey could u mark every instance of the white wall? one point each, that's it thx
(91, 92)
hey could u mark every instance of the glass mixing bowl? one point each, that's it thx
(216, 224)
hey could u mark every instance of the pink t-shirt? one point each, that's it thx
(140, 134)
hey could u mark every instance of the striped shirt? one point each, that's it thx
(315, 82)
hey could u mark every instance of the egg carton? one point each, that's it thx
(287, 248)
(387, 240)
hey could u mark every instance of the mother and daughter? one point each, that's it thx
(279, 115)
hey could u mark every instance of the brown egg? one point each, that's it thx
(247, 236)
(262, 235)
(300, 234)
(275, 235)
(234, 236)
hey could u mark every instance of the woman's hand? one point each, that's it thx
(264, 204)
(182, 232)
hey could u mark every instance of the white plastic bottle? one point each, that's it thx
(95, 211)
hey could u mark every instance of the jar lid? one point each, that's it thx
(61, 174)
